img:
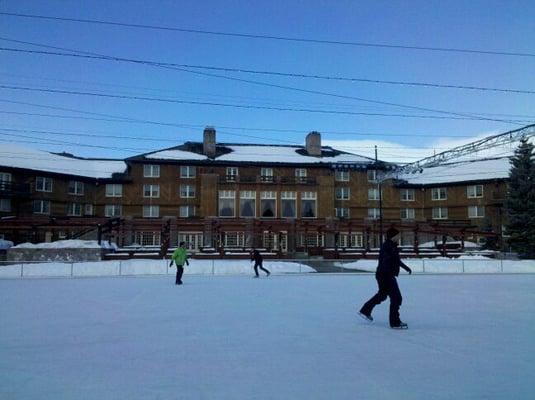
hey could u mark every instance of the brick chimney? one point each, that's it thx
(208, 145)
(313, 144)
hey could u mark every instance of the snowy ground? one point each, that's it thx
(282, 337)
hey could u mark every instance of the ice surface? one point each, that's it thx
(282, 337)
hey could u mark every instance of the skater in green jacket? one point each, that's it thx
(180, 256)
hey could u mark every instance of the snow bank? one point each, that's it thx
(5, 244)
(68, 244)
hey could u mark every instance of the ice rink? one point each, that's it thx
(282, 337)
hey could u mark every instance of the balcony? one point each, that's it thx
(12, 189)
(268, 180)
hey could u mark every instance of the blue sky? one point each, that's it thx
(481, 25)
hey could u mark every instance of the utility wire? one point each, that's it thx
(291, 88)
(116, 118)
(219, 104)
(288, 74)
(269, 37)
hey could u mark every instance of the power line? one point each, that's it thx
(288, 74)
(124, 119)
(284, 87)
(219, 104)
(111, 136)
(270, 37)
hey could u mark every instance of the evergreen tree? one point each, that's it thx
(520, 201)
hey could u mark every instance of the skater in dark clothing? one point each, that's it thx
(387, 270)
(257, 258)
(180, 256)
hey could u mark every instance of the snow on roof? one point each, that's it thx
(15, 156)
(460, 172)
(263, 153)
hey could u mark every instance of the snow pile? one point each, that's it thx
(5, 244)
(68, 244)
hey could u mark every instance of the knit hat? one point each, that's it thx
(391, 232)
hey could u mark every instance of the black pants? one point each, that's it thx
(259, 264)
(388, 286)
(179, 272)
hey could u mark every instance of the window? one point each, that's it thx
(76, 188)
(187, 171)
(148, 238)
(151, 191)
(151, 211)
(187, 191)
(268, 204)
(113, 210)
(373, 194)
(193, 240)
(474, 191)
(288, 204)
(247, 204)
(439, 194)
(341, 176)
(88, 209)
(311, 240)
(350, 240)
(342, 212)
(5, 205)
(342, 193)
(372, 175)
(232, 174)
(5, 177)
(74, 210)
(227, 207)
(41, 207)
(114, 190)
(187, 211)
(270, 240)
(407, 213)
(374, 213)
(476, 211)
(300, 174)
(43, 184)
(234, 239)
(151, 171)
(266, 174)
(308, 204)
(407, 194)
(357, 240)
(440, 213)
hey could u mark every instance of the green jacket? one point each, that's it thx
(180, 256)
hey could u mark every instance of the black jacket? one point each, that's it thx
(256, 257)
(389, 261)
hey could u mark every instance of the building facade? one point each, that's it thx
(223, 197)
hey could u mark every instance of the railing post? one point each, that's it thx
(423, 265)
(213, 266)
(463, 264)
(72, 270)
(501, 265)
(22, 270)
(120, 267)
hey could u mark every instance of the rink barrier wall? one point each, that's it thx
(32, 269)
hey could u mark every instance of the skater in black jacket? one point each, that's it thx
(257, 258)
(387, 270)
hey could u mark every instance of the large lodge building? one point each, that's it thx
(221, 197)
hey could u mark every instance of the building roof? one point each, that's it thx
(464, 171)
(251, 153)
(14, 156)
